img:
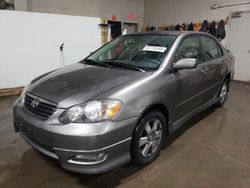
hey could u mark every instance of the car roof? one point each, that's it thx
(175, 33)
(165, 32)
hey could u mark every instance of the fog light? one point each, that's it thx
(88, 159)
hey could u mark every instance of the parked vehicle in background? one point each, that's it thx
(122, 102)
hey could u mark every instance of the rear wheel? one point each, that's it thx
(148, 138)
(222, 94)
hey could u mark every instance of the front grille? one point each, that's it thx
(44, 109)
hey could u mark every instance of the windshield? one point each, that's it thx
(144, 52)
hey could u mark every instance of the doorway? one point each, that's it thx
(116, 28)
(239, 44)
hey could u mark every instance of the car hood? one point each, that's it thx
(79, 83)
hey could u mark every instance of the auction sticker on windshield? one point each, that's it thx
(155, 49)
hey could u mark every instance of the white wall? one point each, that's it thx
(96, 8)
(162, 12)
(30, 43)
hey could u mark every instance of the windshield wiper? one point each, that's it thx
(129, 66)
(93, 62)
(110, 64)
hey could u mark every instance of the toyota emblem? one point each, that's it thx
(34, 103)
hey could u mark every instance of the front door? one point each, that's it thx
(189, 82)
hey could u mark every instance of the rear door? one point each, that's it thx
(214, 73)
(189, 82)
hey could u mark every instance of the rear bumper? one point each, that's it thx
(82, 148)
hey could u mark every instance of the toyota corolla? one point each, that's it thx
(122, 102)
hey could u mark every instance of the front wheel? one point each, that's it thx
(148, 138)
(222, 94)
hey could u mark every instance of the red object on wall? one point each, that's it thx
(131, 16)
(197, 27)
(114, 17)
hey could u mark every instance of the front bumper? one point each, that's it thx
(101, 146)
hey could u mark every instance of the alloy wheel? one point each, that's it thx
(150, 138)
(223, 92)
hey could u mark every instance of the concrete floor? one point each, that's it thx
(212, 150)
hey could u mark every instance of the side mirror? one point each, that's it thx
(187, 63)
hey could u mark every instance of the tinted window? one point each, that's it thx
(189, 48)
(212, 49)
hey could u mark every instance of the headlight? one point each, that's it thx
(22, 96)
(93, 111)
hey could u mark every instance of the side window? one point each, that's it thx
(189, 48)
(212, 49)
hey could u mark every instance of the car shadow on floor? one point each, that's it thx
(193, 121)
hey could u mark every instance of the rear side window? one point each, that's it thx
(211, 47)
(189, 48)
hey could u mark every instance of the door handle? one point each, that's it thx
(204, 70)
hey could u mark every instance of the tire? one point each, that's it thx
(222, 95)
(148, 138)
